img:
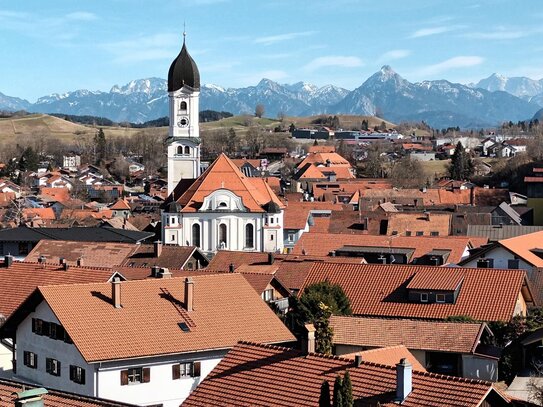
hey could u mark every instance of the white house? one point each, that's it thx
(146, 342)
(71, 162)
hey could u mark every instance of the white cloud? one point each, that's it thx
(333, 61)
(498, 35)
(81, 16)
(425, 32)
(452, 63)
(394, 55)
(146, 48)
(272, 39)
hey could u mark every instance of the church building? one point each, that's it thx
(222, 209)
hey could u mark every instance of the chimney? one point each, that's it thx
(158, 248)
(357, 360)
(64, 264)
(8, 260)
(154, 271)
(79, 262)
(308, 346)
(328, 163)
(404, 379)
(30, 398)
(231, 268)
(116, 292)
(164, 273)
(41, 259)
(271, 258)
(61, 260)
(189, 293)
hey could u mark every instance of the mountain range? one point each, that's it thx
(439, 103)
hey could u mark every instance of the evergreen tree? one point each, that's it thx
(348, 400)
(29, 160)
(461, 167)
(231, 143)
(100, 145)
(324, 398)
(315, 143)
(291, 128)
(338, 392)
(364, 125)
(323, 331)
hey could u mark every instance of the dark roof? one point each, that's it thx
(500, 232)
(90, 234)
(183, 72)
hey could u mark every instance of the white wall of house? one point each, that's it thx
(5, 361)
(501, 257)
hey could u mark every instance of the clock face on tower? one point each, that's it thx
(183, 121)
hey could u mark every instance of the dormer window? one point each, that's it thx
(440, 297)
(183, 106)
(187, 150)
(423, 297)
(179, 149)
(222, 205)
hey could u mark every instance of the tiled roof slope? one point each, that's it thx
(19, 280)
(321, 244)
(380, 290)
(92, 254)
(253, 374)
(389, 356)
(321, 158)
(414, 334)
(53, 398)
(172, 257)
(226, 310)
(522, 246)
(223, 173)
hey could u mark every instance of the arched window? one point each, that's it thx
(222, 235)
(179, 149)
(249, 235)
(183, 105)
(187, 150)
(196, 235)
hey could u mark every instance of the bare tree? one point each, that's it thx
(535, 384)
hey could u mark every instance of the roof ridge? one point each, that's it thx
(410, 319)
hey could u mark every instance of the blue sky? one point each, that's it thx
(64, 45)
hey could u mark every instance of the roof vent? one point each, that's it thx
(41, 259)
(164, 273)
(30, 398)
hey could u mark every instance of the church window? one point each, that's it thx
(183, 105)
(249, 235)
(187, 150)
(179, 149)
(196, 235)
(223, 205)
(222, 235)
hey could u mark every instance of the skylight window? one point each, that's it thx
(184, 327)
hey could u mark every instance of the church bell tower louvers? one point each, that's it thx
(184, 133)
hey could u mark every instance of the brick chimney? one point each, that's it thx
(231, 268)
(30, 398)
(157, 248)
(64, 264)
(404, 380)
(155, 270)
(79, 262)
(8, 260)
(357, 360)
(189, 293)
(308, 345)
(116, 292)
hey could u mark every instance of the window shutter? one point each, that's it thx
(82, 381)
(48, 366)
(58, 368)
(25, 358)
(124, 377)
(46, 326)
(34, 325)
(72, 372)
(176, 372)
(146, 375)
(196, 369)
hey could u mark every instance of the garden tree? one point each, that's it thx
(100, 146)
(324, 398)
(338, 393)
(407, 173)
(382, 126)
(347, 390)
(364, 125)
(254, 140)
(291, 128)
(232, 142)
(29, 160)
(323, 331)
(375, 161)
(119, 168)
(534, 386)
(316, 142)
(259, 110)
(461, 167)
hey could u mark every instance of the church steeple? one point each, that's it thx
(183, 71)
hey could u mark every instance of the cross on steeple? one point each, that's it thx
(184, 32)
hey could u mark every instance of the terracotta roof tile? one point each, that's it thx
(120, 205)
(156, 305)
(428, 279)
(523, 245)
(321, 158)
(419, 222)
(172, 257)
(414, 334)
(380, 290)
(388, 356)
(253, 374)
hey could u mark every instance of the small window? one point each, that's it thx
(30, 359)
(52, 366)
(179, 149)
(173, 220)
(187, 369)
(394, 232)
(423, 297)
(440, 297)
(420, 233)
(77, 374)
(513, 263)
(267, 295)
(173, 238)
(23, 248)
(249, 235)
(434, 233)
(187, 150)
(183, 105)
(271, 220)
(222, 205)
(223, 235)
(291, 237)
(408, 233)
(271, 237)
(135, 375)
(196, 235)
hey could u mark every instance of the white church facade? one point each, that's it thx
(222, 209)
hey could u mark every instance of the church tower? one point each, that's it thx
(184, 132)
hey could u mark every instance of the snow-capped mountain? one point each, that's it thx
(525, 88)
(386, 93)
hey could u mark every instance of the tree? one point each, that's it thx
(407, 173)
(324, 398)
(231, 143)
(347, 390)
(323, 331)
(338, 392)
(291, 128)
(259, 110)
(331, 295)
(461, 167)
(383, 126)
(100, 145)
(29, 160)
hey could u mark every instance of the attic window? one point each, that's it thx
(222, 205)
(423, 297)
(184, 327)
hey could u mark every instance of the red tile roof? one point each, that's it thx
(388, 356)
(321, 158)
(380, 290)
(321, 244)
(428, 279)
(414, 334)
(157, 306)
(523, 245)
(172, 257)
(120, 205)
(253, 374)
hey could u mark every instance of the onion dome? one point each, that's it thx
(183, 71)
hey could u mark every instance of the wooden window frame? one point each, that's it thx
(77, 374)
(30, 359)
(135, 375)
(186, 370)
(52, 366)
